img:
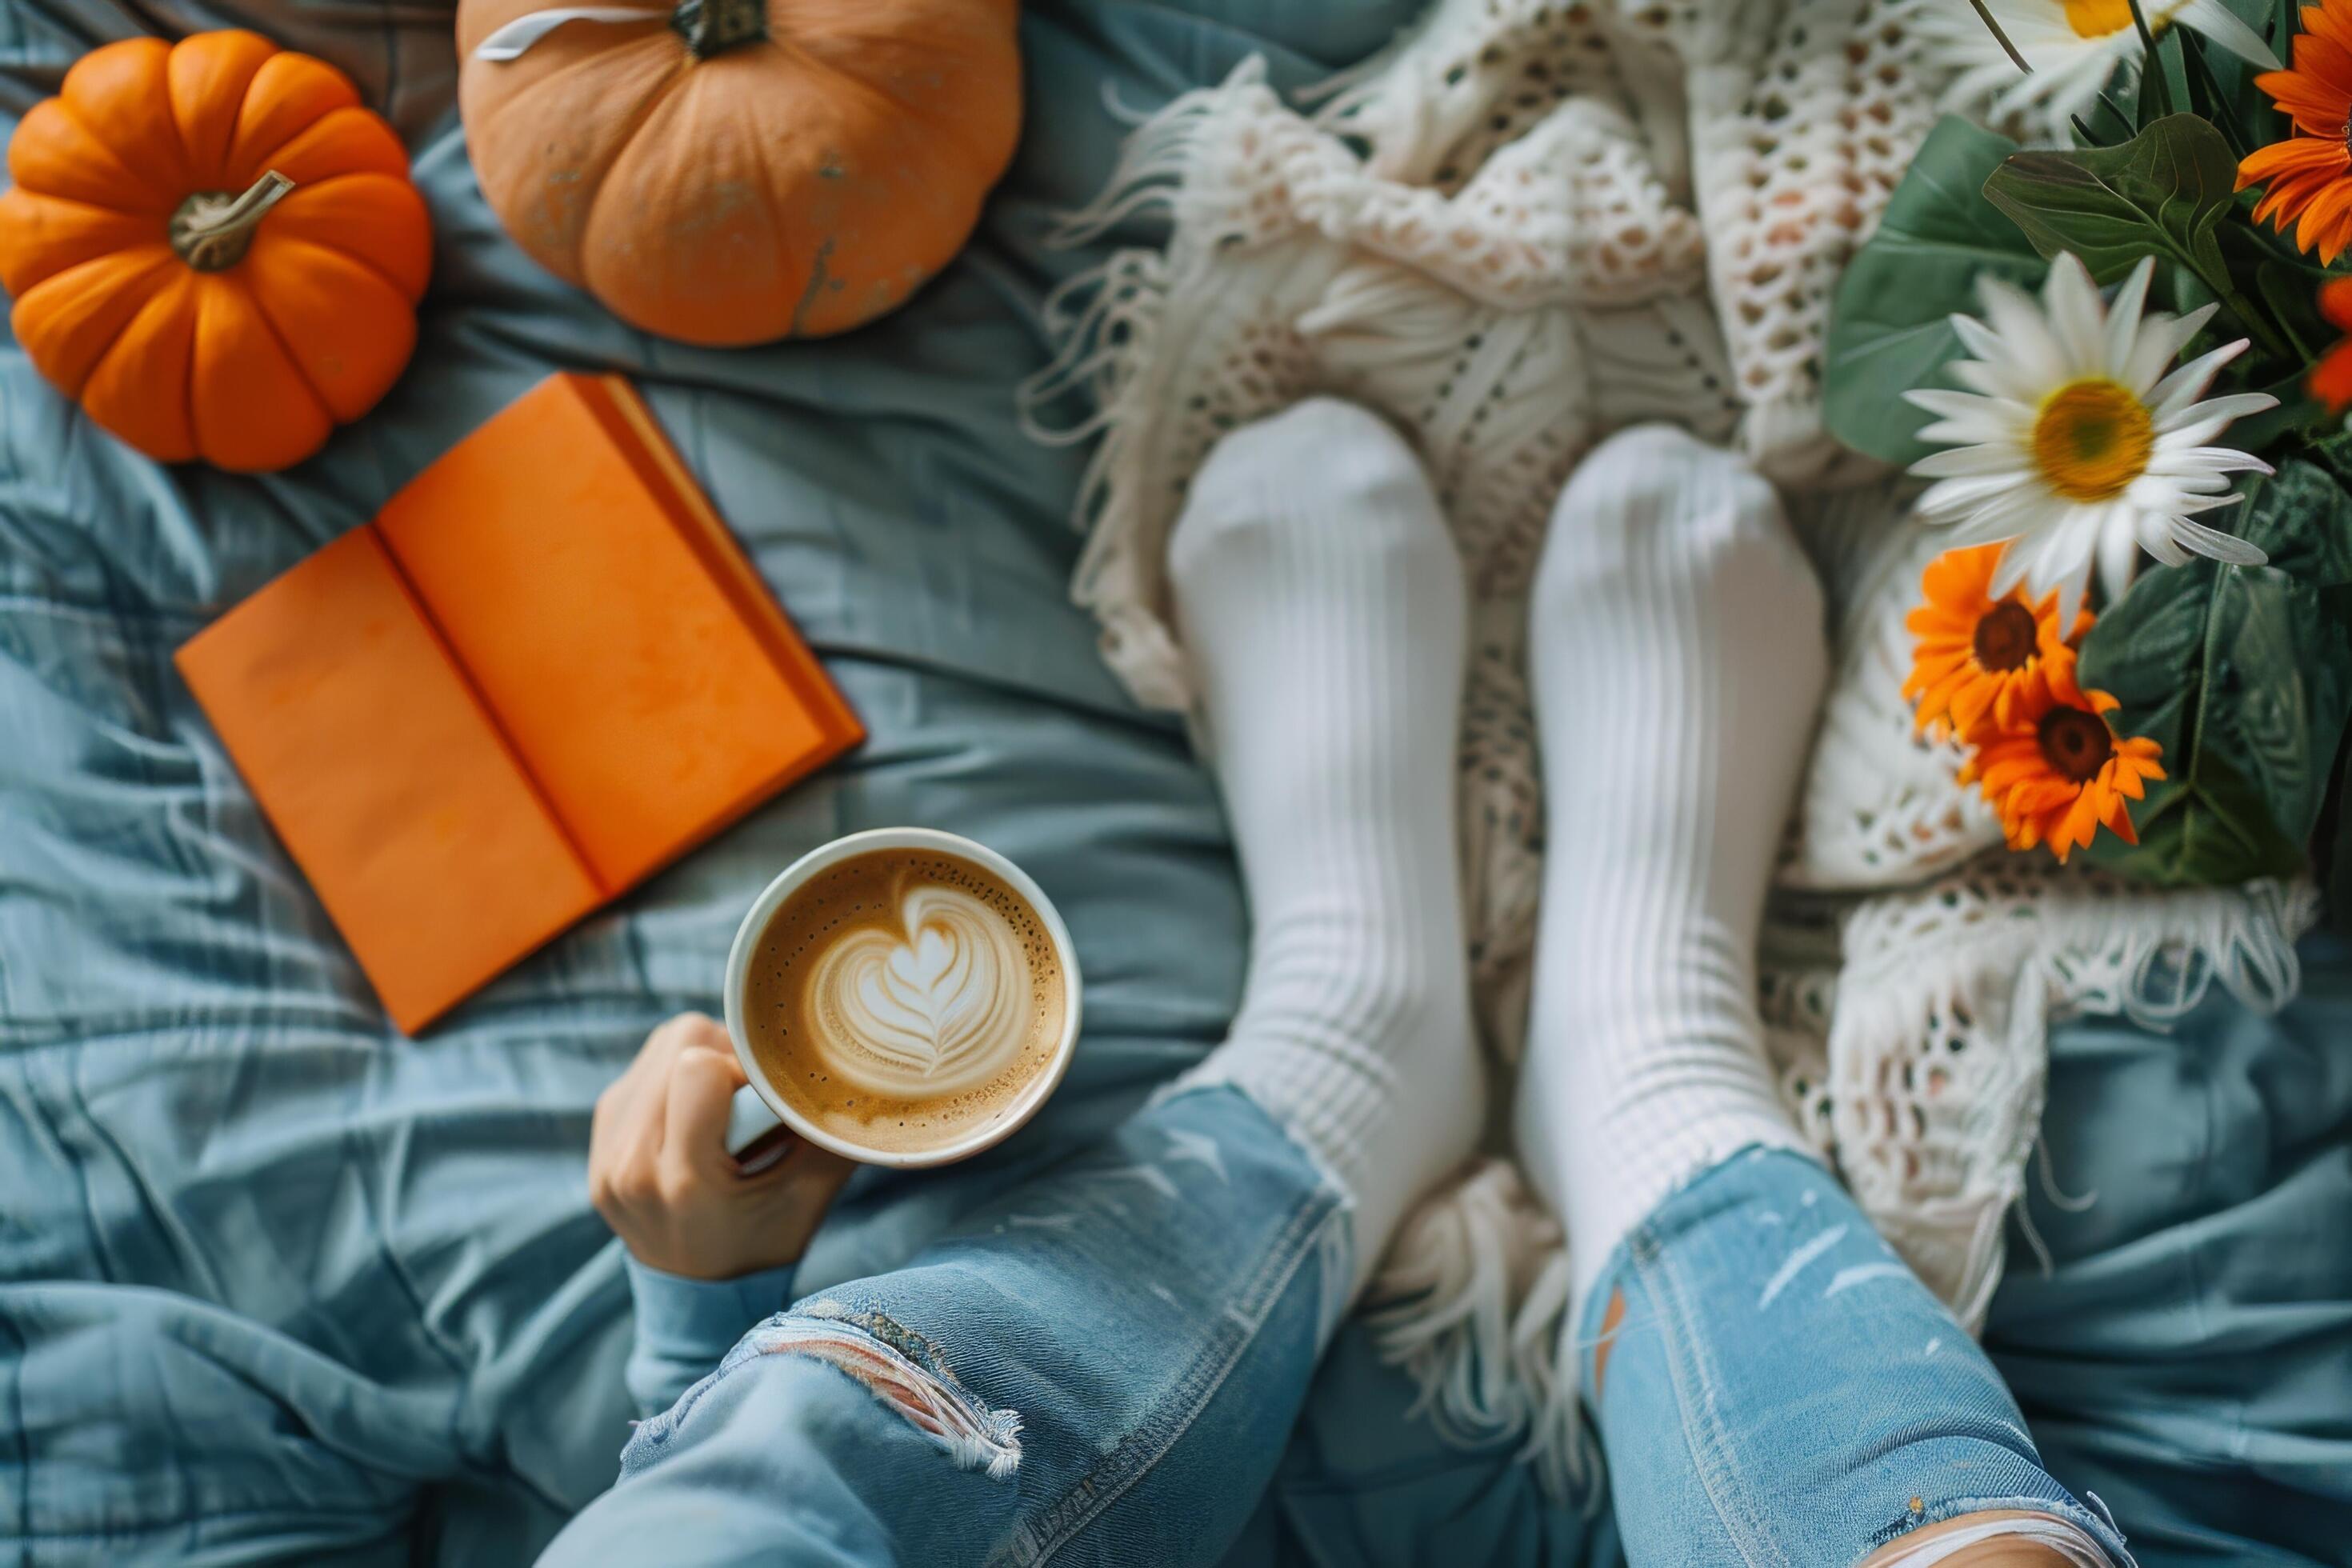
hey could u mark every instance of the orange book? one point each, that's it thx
(543, 673)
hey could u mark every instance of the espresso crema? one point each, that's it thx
(905, 999)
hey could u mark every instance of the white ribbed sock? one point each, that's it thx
(1677, 658)
(1322, 607)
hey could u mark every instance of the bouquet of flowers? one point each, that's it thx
(2118, 359)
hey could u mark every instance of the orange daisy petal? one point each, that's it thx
(2039, 801)
(2318, 214)
(2331, 378)
(2335, 302)
(2322, 62)
(2294, 155)
(2329, 21)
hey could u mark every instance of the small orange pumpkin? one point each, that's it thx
(731, 172)
(212, 247)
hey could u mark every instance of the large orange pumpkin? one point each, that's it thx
(212, 247)
(735, 171)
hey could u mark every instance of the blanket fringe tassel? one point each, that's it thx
(1472, 1304)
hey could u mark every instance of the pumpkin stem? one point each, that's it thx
(212, 229)
(714, 26)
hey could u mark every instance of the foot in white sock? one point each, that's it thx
(1322, 608)
(1677, 658)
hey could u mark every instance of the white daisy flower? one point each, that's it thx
(2075, 445)
(2074, 47)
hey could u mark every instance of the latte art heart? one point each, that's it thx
(905, 999)
(937, 1005)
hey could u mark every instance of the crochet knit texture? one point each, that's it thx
(1521, 226)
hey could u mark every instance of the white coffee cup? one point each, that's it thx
(759, 1110)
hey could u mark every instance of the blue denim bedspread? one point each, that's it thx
(279, 1283)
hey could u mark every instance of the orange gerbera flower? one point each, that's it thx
(2331, 378)
(2309, 174)
(2060, 770)
(1977, 657)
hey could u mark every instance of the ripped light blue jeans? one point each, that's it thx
(1776, 1387)
(1104, 1366)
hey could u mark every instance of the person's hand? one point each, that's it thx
(659, 1172)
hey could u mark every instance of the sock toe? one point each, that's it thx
(1655, 505)
(1318, 466)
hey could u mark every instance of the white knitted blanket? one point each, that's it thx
(1526, 225)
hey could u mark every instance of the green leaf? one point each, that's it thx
(2162, 191)
(2101, 124)
(2219, 77)
(2297, 413)
(2165, 67)
(1890, 325)
(2243, 675)
(2301, 518)
(2291, 294)
(2276, 21)
(2198, 835)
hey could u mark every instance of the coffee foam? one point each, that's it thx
(904, 999)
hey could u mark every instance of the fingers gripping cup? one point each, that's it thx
(901, 997)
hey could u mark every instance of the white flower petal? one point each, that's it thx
(2118, 554)
(2076, 318)
(1980, 430)
(1979, 377)
(2067, 563)
(2162, 339)
(2009, 516)
(2024, 332)
(2185, 505)
(2227, 548)
(2219, 23)
(2187, 385)
(1980, 340)
(2059, 560)
(1992, 379)
(2183, 460)
(2122, 316)
(2230, 405)
(2013, 567)
(2178, 492)
(1936, 400)
(2186, 437)
(1977, 491)
(1984, 458)
(1949, 499)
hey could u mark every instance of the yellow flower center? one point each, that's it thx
(2092, 438)
(2075, 743)
(2004, 639)
(2097, 18)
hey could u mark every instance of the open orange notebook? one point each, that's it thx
(542, 672)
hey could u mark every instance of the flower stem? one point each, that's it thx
(2000, 37)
